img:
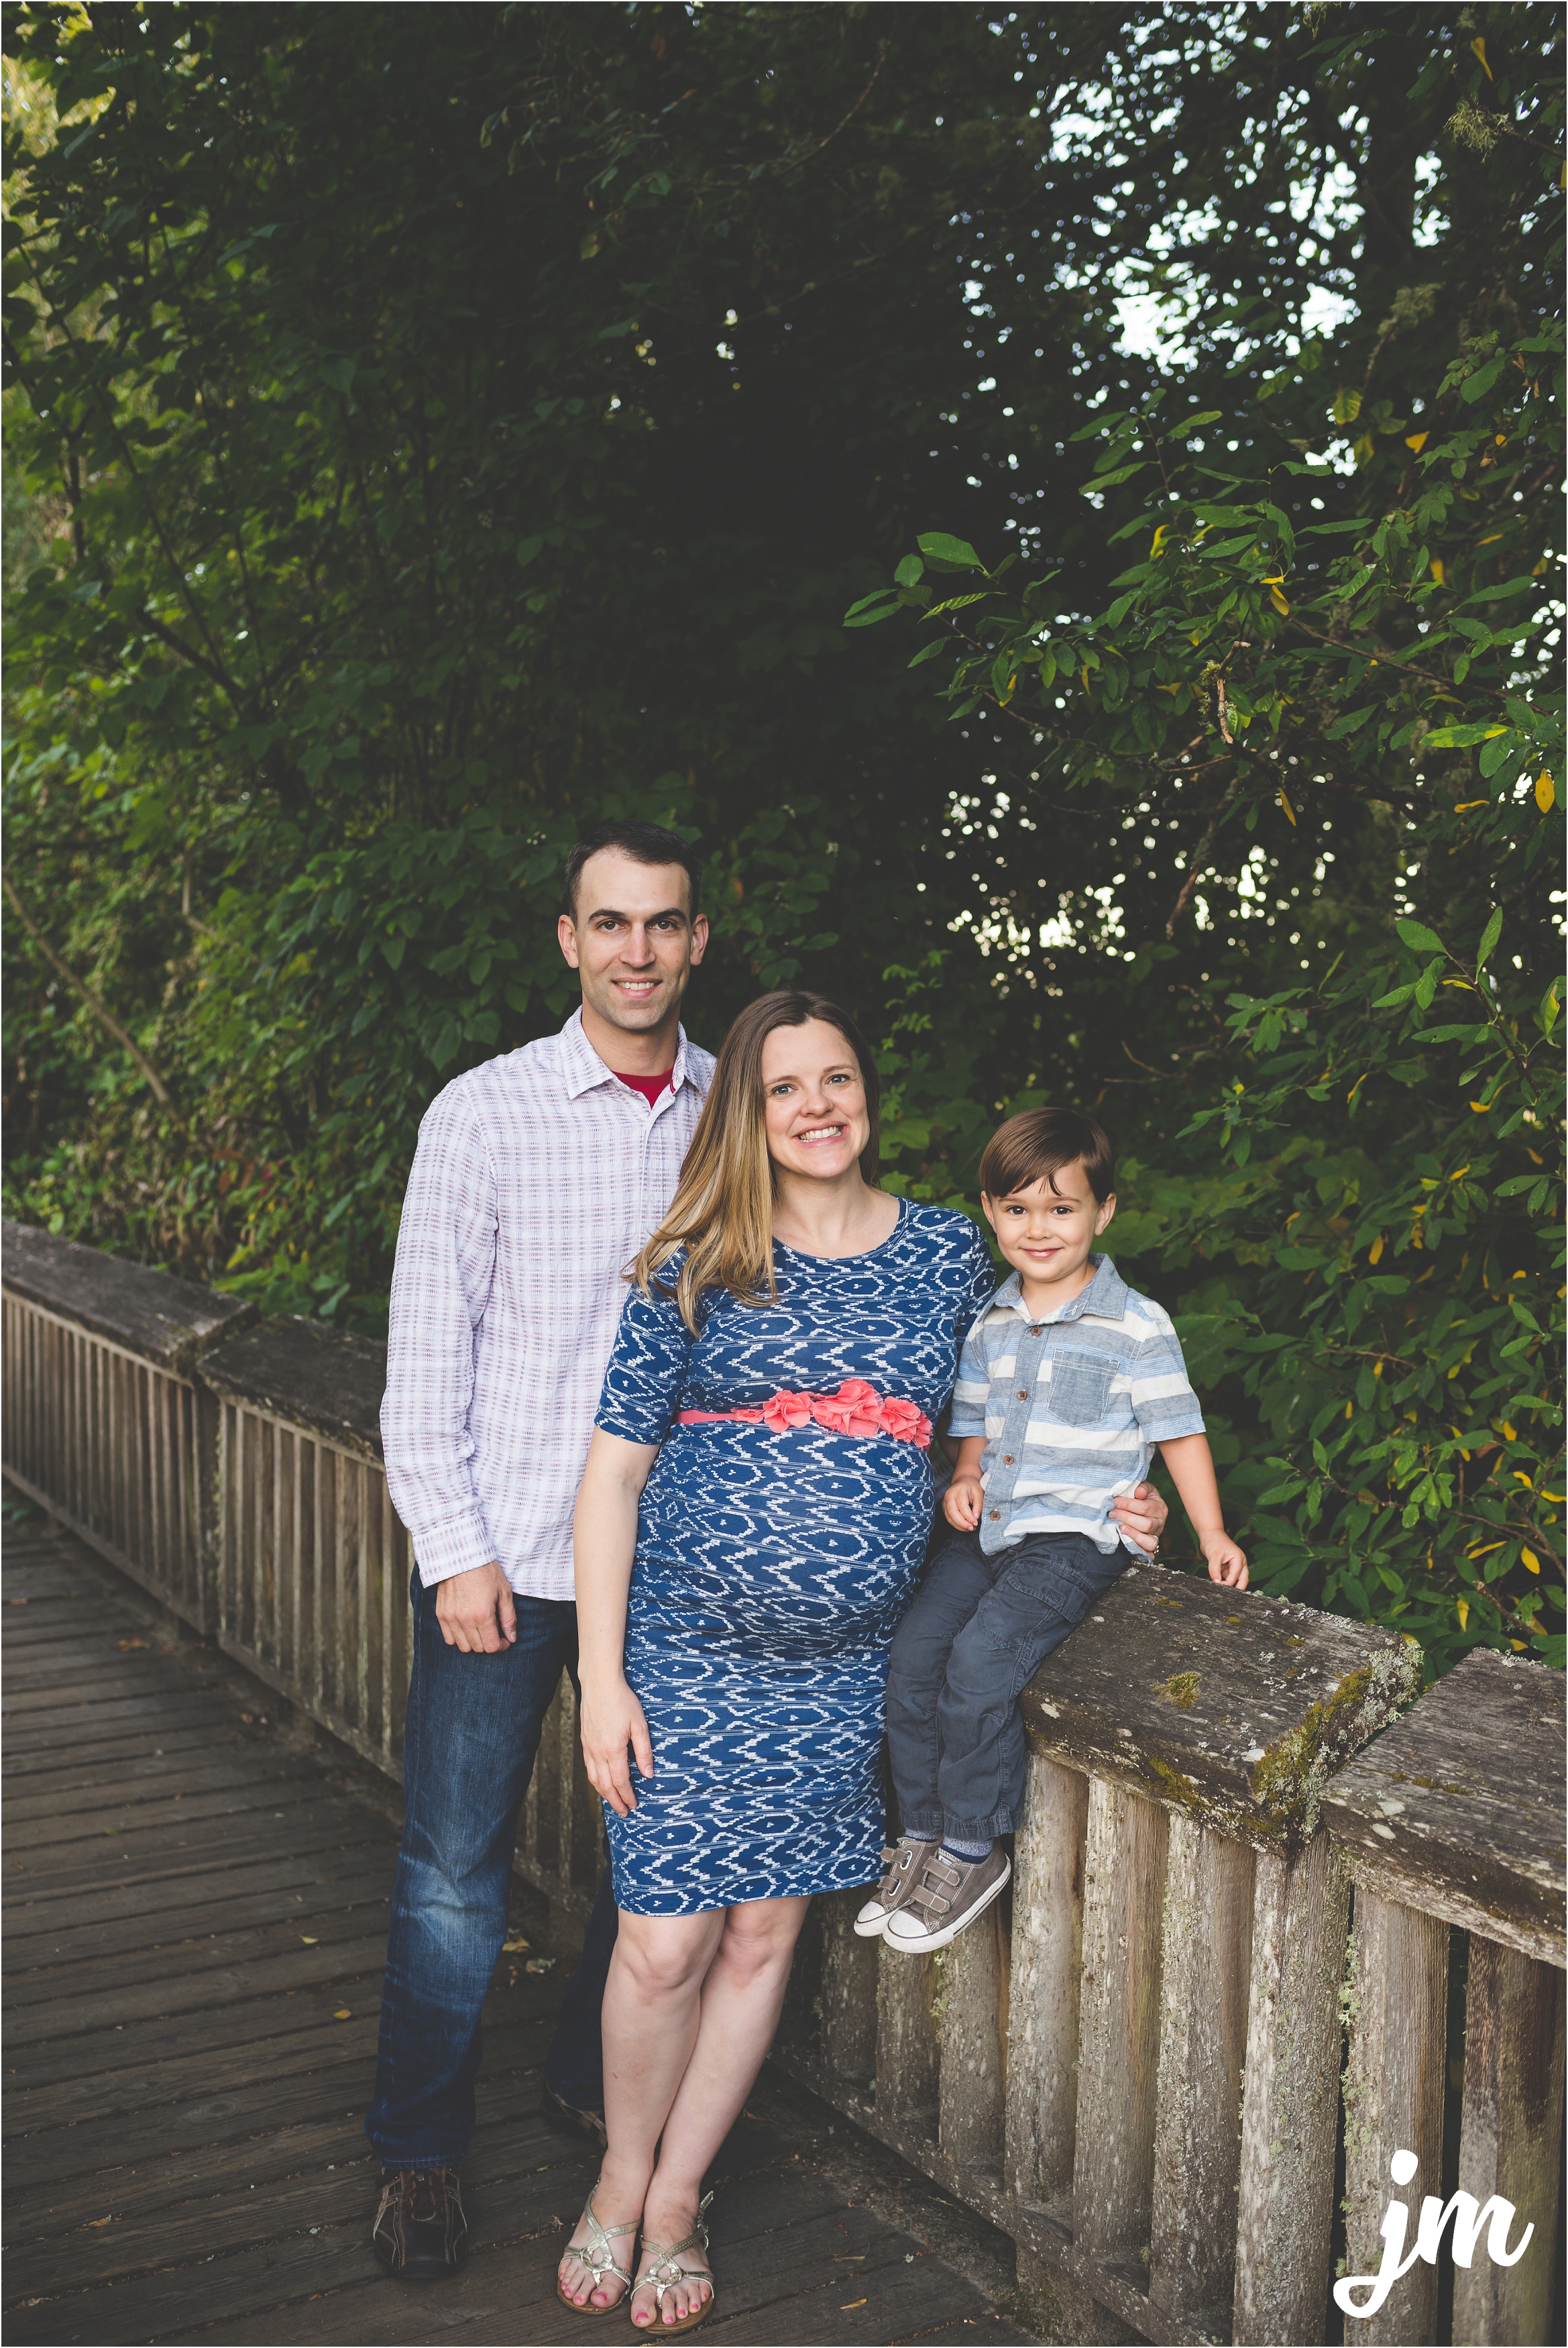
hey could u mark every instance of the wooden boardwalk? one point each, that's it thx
(193, 1944)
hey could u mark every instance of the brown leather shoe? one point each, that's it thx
(420, 2233)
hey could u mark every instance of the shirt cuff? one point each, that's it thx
(963, 1425)
(1171, 1430)
(455, 1547)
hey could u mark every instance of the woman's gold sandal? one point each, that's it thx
(595, 2254)
(663, 2274)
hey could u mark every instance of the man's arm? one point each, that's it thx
(440, 1288)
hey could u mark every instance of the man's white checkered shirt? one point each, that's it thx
(536, 1179)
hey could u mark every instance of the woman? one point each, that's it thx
(767, 1411)
(750, 1527)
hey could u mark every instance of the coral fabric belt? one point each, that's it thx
(856, 1409)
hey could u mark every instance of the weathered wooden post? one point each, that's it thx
(1454, 1819)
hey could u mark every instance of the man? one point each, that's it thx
(536, 1179)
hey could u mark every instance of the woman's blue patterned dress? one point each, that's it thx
(772, 1569)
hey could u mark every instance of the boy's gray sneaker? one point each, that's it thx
(951, 1892)
(903, 1863)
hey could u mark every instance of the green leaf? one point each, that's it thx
(1460, 737)
(1416, 934)
(910, 571)
(1195, 423)
(955, 552)
(1489, 937)
(929, 651)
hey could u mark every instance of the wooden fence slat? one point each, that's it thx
(1119, 2021)
(1047, 1958)
(1300, 1917)
(1510, 2139)
(1206, 1971)
(848, 1989)
(972, 2036)
(1396, 2006)
(908, 2055)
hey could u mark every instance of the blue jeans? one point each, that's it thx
(976, 1633)
(470, 1735)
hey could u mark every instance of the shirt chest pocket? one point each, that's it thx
(1079, 1392)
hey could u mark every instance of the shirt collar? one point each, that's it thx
(1105, 1296)
(583, 1068)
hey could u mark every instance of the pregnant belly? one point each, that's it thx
(776, 1605)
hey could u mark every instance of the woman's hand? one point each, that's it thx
(612, 1719)
(961, 1502)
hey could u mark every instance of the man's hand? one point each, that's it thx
(476, 1612)
(612, 1720)
(961, 1502)
(1142, 1514)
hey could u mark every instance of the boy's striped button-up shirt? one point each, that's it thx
(536, 1179)
(1070, 1407)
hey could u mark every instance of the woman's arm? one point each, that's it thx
(604, 1543)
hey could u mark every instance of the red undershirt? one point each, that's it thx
(649, 1086)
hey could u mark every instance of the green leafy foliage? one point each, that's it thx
(422, 443)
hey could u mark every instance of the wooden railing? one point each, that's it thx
(1238, 1859)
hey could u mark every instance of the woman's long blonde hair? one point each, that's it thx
(722, 1213)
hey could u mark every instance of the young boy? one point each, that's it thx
(1069, 1380)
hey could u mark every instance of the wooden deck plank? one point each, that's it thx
(194, 1900)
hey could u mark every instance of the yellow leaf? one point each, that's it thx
(1521, 1478)
(1462, 1608)
(1086, 676)
(1378, 1367)
(1477, 50)
(1509, 1432)
(848, 2303)
(1347, 406)
(1285, 803)
(343, 2015)
(1552, 1496)
(310, 1939)
(1279, 603)
(1463, 808)
(516, 1947)
(1533, 1563)
(1481, 1109)
(1160, 536)
(1417, 442)
(1485, 1552)
(1544, 794)
(1459, 1176)
(1376, 1249)
(1349, 1410)
(1438, 569)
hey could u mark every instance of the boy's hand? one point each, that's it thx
(1227, 1564)
(961, 1502)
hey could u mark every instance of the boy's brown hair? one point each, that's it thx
(1034, 1146)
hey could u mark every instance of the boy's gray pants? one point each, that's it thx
(976, 1632)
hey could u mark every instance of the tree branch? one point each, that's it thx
(104, 1017)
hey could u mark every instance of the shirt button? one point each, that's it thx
(1007, 1461)
(1035, 1328)
(995, 1515)
(1023, 1393)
